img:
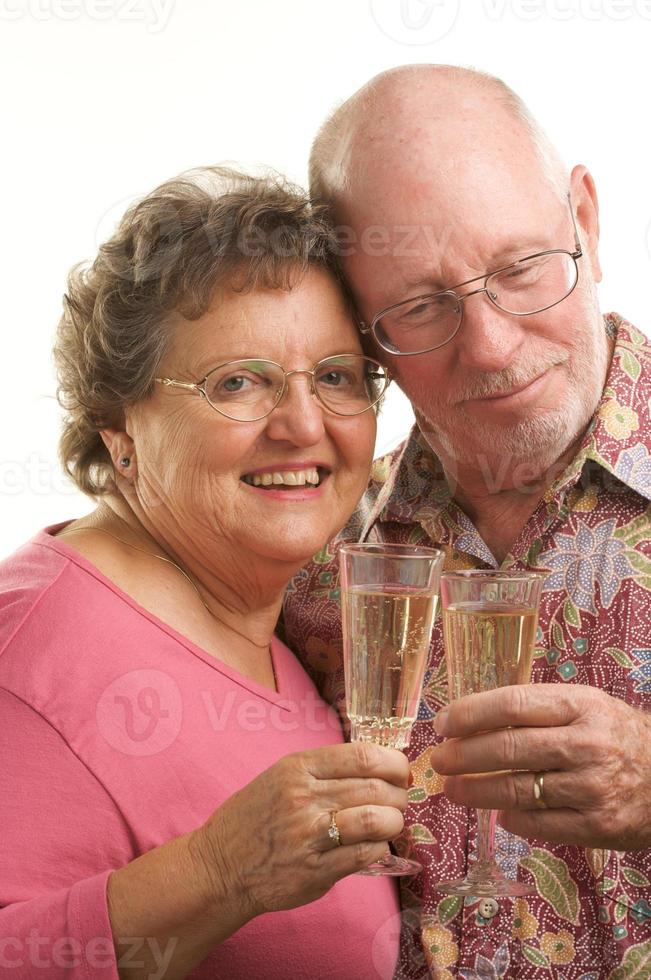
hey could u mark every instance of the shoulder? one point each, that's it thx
(55, 608)
(25, 577)
(102, 552)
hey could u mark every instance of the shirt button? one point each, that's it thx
(488, 908)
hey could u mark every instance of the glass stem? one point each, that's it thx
(486, 836)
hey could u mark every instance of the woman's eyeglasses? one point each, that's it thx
(249, 389)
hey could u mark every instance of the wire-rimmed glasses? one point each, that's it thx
(531, 285)
(248, 389)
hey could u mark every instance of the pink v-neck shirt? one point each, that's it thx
(118, 734)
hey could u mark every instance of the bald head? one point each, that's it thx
(399, 108)
(439, 177)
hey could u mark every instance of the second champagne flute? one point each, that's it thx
(489, 628)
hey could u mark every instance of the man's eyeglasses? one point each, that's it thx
(530, 285)
(248, 390)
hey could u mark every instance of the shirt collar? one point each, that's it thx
(619, 436)
(618, 439)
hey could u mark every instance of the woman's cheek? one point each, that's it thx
(361, 447)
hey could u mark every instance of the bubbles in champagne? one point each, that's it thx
(387, 635)
(487, 645)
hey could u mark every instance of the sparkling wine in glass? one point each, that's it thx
(489, 629)
(389, 601)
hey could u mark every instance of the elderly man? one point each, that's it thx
(472, 256)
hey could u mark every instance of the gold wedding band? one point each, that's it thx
(333, 829)
(539, 791)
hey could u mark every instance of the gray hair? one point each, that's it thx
(208, 227)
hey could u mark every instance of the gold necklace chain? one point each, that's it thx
(87, 527)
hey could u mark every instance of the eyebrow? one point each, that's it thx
(505, 257)
(209, 364)
(206, 366)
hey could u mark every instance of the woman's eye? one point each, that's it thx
(235, 383)
(333, 378)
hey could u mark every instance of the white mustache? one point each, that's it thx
(502, 381)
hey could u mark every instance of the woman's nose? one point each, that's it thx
(298, 416)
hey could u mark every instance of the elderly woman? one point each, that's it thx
(175, 798)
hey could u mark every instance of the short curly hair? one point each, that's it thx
(208, 227)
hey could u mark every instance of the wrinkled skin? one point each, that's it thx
(592, 748)
(287, 859)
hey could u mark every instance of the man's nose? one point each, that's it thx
(489, 337)
(298, 417)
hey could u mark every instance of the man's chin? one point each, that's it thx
(542, 439)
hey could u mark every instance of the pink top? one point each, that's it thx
(117, 734)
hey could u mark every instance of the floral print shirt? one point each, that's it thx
(590, 915)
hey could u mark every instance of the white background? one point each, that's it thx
(103, 99)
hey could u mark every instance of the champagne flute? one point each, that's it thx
(489, 628)
(389, 603)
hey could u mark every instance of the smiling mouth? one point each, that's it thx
(512, 391)
(286, 479)
(497, 395)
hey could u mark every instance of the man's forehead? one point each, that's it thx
(389, 258)
(442, 216)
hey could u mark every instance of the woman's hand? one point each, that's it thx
(268, 847)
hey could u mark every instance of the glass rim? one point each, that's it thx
(520, 574)
(322, 360)
(410, 550)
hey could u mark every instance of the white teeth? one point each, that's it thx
(292, 478)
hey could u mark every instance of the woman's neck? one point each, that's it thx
(243, 605)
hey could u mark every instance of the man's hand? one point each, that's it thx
(594, 750)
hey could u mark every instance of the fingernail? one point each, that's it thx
(410, 781)
(441, 722)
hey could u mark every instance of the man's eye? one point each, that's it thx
(427, 313)
(518, 273)
(416, 311)
(528, 272)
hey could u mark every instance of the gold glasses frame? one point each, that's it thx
(199, 387)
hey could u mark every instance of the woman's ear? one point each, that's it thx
(121, 449)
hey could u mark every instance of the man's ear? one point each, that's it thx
(586, 208)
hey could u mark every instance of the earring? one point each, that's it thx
(125, 461)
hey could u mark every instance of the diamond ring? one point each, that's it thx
(333, 829)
